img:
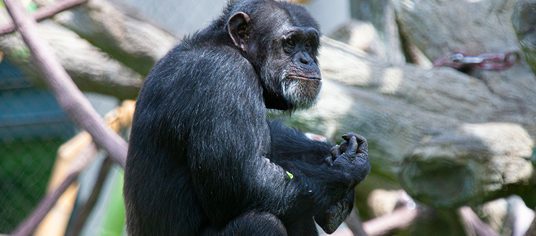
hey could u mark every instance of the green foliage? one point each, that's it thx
(114, 218)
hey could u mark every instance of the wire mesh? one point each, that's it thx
(32, 127)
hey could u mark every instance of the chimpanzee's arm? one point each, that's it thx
(290, 145)
(291, 148)
(231, 171)
(228, 152)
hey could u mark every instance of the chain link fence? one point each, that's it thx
(32, 127)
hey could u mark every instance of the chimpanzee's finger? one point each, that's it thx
(352, 146)
(348, 136)
(363, 144)
(335, 151)
(329, 160)
(343, 146)
(362, 155)
(360, 138)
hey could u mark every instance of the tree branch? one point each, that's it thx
(474, 224)
(67, 94)
(45, 12)
(82, 215)
(398, 219)
(355, 225)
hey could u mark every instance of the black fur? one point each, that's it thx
(202, 157)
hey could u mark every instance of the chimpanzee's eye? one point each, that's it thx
(289, 44)
(308, 45)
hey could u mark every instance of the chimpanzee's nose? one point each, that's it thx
(304, 58)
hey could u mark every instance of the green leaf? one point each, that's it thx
(32, 7)
(290, 175)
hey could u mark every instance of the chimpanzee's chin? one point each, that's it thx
(301, 93)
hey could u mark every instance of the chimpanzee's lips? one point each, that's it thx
(303, 77)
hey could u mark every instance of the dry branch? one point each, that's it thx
(45, 12)
(68, 158)
(67, 94)
(354, 224)
(82, 215)
(399, 219)
(474, 224)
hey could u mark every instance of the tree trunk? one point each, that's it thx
(103, 49)
(524, 19)
(91, 69)
(135, 43)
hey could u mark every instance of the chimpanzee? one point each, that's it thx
(204, 159)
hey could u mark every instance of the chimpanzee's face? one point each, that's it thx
(283, 48)
(300, 78)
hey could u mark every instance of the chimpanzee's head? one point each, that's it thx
(281, 41)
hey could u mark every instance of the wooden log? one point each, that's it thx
(132, 41)
(523, 21)
(468, 164)
(437, 29)
(381, 15)
(91, 69)
(457, 24)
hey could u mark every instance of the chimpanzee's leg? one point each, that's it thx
(252, 223)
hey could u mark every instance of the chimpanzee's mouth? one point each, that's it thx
(301, 77)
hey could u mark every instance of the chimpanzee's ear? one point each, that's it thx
(238, 28)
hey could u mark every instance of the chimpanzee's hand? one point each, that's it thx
(330, 219)
(354, 158)
(350, 159)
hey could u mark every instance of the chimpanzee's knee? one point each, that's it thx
(252, 223)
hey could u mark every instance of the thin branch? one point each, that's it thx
(44, 13)
(354, 224)
(474, 224)
(398, 219)
(28, 226)
(83, 214)
(67, 94)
